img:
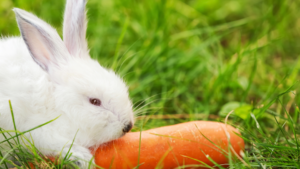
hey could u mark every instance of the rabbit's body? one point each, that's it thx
(22, 81)
(32, 95)
(46, 78)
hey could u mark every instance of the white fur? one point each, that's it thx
(45, 78)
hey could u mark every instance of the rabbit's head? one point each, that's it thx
(90, 97)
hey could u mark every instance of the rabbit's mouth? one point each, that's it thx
(123, 134)
(127, 128)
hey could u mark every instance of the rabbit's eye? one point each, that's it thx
(95, 102)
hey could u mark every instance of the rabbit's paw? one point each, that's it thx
(80, 155)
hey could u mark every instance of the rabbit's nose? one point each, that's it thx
(127, 128)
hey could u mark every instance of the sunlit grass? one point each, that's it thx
(17, 150)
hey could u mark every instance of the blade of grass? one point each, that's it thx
(22, 133)
(120, 40)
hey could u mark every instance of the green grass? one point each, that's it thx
(200, 59)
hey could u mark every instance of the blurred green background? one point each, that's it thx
(198, 58)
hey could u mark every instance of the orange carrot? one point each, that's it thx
(172, 146)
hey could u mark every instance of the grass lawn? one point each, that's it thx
(198, 60)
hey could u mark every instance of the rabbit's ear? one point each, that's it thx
(74, 30)
(43, 42)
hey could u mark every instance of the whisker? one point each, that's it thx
(147, 99)
(143, 101)
(139, 110)
(142, 112)
(145, 105)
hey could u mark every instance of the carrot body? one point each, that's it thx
(171, 146)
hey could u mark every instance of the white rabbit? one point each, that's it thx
(45, 77)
